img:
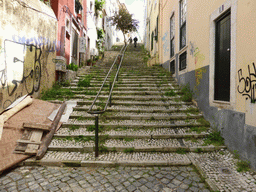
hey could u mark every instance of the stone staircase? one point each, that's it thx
(148, 124)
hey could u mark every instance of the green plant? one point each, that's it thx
(65, 83)
(170, 93)
(129, 150)
(214, 138)
(99, 4)
(56, 92)
(72, 67)
(198, 130)
(203, 121)
(91, 128)
(82, 138)
(181, 151)
(187, 93)
(243, 166)
(199, 150)
(74, 127)
(85, 82)
(236, 155)
(127, 139)
(103, 149)
(192, 110)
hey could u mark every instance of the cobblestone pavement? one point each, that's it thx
(165, 179)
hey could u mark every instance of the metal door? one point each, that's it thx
(222, 59)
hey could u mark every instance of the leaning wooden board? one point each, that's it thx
(31, 138)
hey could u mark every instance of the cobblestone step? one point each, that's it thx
(127, 116)
(111, 159)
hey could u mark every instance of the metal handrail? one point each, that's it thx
(97, 113)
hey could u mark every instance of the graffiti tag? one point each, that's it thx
(247, 85)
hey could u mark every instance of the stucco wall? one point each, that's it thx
(235, 119)
(27, 47)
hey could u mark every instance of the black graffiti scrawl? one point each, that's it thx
(247, 84)
(21, 73)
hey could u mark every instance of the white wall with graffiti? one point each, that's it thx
(27, 47)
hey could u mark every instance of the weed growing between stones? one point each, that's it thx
(203, 121)
(56, 92)
(181, 151)
(73, 127)
(91, 128)
(214, 138)
(85, 82)
(243, 166)
(198, 130)
(129, 150)
(187, 94)
(170, 93)
(199, 150)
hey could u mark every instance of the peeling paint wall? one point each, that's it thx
(27, 47)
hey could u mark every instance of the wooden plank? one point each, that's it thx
(21, 147)
(31, 149)
(26, 135)
(48, 138)
(36, 136)
(28, 142)
(36, 126)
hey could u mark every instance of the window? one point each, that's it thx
(172, 29)
(172, 66)
(183, 61)
(152, 41)
(156, 30)
(183, 14)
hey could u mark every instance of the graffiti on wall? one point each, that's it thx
(21, 66)
(165, 44)
(199, 58)
(247, 83)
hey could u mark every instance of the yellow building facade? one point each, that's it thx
(27, 49)
(209, 45)
(152, 28)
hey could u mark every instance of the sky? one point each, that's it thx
(136, 8)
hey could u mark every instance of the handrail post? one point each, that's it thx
(110, 86)
(96, 136)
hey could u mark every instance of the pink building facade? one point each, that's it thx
(71, 37)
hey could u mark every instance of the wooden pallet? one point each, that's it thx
(31, 138)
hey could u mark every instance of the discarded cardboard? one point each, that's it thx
(36, 113)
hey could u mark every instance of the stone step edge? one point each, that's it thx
(122, 136)
(135, 110)
(211, 183)
(96, 163)
(136, 125)
(138, 149)
(139, 117)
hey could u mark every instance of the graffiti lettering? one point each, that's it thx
(247, 85)
(41, 42)
(199, 58)
(165, 44)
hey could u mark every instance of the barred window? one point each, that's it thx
(172, 29)
(183, 14)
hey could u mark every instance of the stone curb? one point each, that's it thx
(169, 136)
(33, 162)
(135, 149)
(135, 110)
(141, 117)
(66, 125)
(212, 184)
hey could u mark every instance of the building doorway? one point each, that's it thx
(222, 59)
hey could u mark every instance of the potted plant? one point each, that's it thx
(89, 62)
(93, 63)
